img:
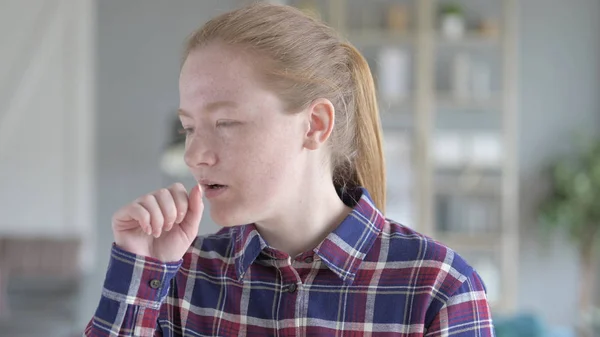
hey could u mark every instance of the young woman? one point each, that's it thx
(284, 139)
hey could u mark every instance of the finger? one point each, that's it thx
(134, 212)
(192, 218)
(157, 219)
(142, 216)
(180, 196)
(167, 207)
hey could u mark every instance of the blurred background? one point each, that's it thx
(491, 118)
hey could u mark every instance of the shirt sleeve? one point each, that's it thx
(466, 313)
(135, 287)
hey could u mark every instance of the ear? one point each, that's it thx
(321, 117)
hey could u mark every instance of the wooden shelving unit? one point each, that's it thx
(421, 114)
(374, 37)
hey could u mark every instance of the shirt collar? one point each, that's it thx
(247, 246)
(342, 250)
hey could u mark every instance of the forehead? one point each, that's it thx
(216, 72)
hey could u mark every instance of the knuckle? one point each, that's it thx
(171, 215)
(128, 211)
(146, 198)
(177, 186)
(163, 192)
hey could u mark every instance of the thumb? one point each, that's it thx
(195, 208)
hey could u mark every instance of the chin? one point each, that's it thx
(228, 217)
(240, 210)
(221, 219)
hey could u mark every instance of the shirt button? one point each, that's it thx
(155, 284)
(292, 288)
(309, 259)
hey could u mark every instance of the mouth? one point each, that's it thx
(213, 186)
(212, 190)
(208, 185)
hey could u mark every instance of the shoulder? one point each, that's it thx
(435, 265)
(446, 290)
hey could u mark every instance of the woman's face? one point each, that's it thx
(241, 145)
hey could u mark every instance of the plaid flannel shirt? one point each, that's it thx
(369, 277)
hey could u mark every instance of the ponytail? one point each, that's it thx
(369, 164)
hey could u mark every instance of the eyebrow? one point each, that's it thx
(210, 107)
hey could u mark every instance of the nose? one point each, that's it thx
(199, 152)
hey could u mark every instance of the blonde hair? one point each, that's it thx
(303, 59)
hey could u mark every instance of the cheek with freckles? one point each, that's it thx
(259, 167)
(264, 161)
(260, 186)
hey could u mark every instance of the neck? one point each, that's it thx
(305, 222)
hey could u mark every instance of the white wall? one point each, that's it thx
(139, 49)
(46, 119)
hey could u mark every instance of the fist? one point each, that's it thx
(162, 224)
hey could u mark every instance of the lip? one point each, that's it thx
(210, 193)
(209, 182)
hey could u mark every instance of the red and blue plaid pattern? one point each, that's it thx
(369, 277)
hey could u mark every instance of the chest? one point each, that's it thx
(302, 300)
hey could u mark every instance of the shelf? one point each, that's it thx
(480, 183)
(384, 37)
(471, 170)
(468, 181)
(471, 39)
(446, 100)
(452, 192)
(378, 37)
